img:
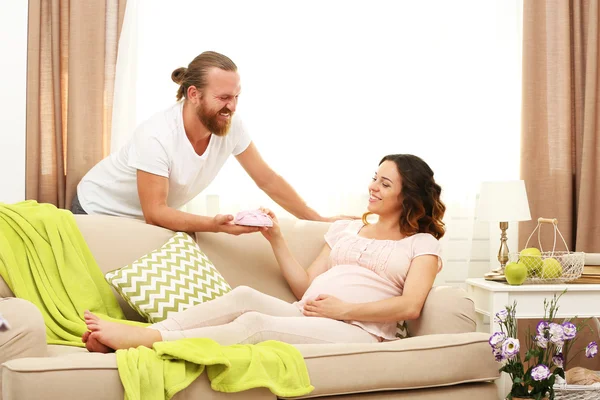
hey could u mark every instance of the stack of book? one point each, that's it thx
(591, 269)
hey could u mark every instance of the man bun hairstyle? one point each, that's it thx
(196, 71)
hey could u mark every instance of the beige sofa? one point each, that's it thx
(443, 359)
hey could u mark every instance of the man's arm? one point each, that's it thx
(153, 191)
(274, 185)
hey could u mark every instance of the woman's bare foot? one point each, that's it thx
(113, 335)
(93, 345)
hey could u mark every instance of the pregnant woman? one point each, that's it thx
(367, 277)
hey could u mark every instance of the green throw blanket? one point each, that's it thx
(161, 372)
(45, 259)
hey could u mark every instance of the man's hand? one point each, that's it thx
(326, 306)
(223, 223)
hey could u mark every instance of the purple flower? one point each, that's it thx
(497, 339)
(501, 316)
(541, 341)
(556, 334)
(498, 355)
(542, 327)
(540, 372)
(4, 326)
(558, 360)
(569, 330)
(591, 350)
(510, 347)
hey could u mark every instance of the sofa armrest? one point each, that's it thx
(447, 309)
(27, 334)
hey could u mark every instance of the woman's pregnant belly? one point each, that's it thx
(352, 284)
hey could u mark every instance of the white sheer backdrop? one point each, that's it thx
(329, 87)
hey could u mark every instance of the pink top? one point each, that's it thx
(364, 270)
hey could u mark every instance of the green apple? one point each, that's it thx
(515, 273)
(532, 258)
(551, 268)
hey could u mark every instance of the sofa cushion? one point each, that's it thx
(248, 259)
(418, 362)
(116, 242)
(447, 309)
(93, 376)
(169, 279)
(334, 369)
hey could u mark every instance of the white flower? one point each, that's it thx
(542, 327)
(558, 360)
(557, 335)
(498, 355)
(540, 372)
(541, 341)
(501, 316)
(591, 350)
(569, 330)
(510, 347)
(497, 339)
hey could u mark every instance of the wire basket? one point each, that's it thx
(549, 266)
(563, 391)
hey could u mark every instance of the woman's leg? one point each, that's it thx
(225, 309)
(251, 327)
(221, 310)
(254, 327)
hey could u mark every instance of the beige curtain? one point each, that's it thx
(72, 52)
(560, 145)
(560, 142)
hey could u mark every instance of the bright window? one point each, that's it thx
(330, 86)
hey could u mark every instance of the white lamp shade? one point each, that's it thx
(503, 201)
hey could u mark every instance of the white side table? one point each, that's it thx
(581, 300)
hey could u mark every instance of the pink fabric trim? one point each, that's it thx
(253, 218)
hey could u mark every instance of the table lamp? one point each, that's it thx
(503, 202)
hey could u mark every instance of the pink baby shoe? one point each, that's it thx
(253, 218)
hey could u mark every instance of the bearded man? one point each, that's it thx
(176, 153)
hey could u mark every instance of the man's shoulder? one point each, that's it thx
(237, 125)
(162, 125)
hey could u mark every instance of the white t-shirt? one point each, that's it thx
(158, 146)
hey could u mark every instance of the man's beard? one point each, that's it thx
(211, 121)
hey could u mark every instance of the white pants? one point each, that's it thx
(245, 315)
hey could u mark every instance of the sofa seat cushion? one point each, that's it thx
(55, 350)
(418, 362)
(170, 279)
(93, 376)
(334, 369)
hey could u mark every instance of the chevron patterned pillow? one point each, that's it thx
(169, 279)
(401, 330)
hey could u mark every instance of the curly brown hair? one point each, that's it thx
(422, 209)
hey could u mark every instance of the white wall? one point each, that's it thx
(13, 78)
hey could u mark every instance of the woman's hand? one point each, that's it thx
(273, 232)
(327, 306)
